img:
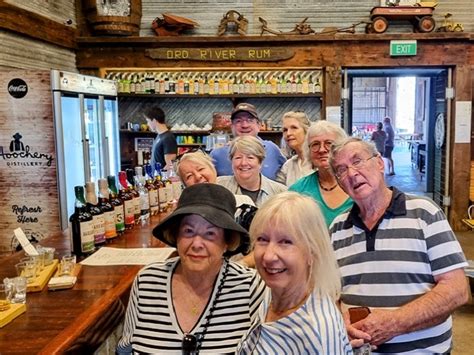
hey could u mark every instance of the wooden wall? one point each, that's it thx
(28, 190)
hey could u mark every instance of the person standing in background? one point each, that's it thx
(164, 148)
(389, 144)
(245, 122)
(379, 137)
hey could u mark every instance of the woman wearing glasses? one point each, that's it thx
(198, 302)
(246, 155)
(295, 126)
(322, 184)
(294, 257)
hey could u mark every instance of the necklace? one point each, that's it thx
(326, 188)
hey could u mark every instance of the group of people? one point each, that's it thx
(384, 140)
(342, 261)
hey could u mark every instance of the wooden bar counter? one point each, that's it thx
(78, 320)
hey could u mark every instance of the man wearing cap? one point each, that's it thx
(245, 122)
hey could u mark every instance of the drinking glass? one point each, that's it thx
(4, 298)
(48, 255)
(66, 267)
(19, 290)
(26, 269)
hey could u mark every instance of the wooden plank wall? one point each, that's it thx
(283, 15)
(28, 191)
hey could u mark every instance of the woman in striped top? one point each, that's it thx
(294, 257)
(198, 302)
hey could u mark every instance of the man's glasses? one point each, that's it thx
(190, 344)
(239, 121)
(357, 164)
(316, 146)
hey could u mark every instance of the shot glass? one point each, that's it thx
(66, 267)
(19, 290)
(48, 255)
(26, 269)
(4, 298)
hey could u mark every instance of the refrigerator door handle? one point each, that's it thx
(85, 141)
(105, 140)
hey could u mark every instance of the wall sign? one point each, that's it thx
(221, 54)
(17, 88)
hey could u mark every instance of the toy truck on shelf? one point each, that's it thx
(421, 18)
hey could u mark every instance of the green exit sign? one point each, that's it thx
(399, 48)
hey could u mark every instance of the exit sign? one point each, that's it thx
(399, 48)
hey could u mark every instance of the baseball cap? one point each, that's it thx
(244, 107)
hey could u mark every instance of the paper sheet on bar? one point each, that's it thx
(133, 256)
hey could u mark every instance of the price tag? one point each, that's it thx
(25, 243)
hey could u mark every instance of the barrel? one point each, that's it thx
(113, 18)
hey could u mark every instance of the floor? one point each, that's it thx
(408, 179)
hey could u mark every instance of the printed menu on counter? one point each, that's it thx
(133, 256)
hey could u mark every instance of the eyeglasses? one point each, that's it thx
(239, 121)
(316, 146)
(190, 344)
(357, 164)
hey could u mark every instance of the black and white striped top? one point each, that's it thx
(396, 262)
(151, 325)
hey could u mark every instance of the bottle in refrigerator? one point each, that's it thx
(97, 215)
(135, 195)
(108, 210)
(127, 199)
(82, 226)
(117, 202)
(152, 191)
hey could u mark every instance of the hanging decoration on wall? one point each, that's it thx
(301, 28)
(233, 21)
(172, 25)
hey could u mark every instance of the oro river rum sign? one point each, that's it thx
(222, 54)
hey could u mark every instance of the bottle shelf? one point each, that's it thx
(220, 95)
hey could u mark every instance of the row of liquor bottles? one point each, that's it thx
(293, 82)
(137, 196)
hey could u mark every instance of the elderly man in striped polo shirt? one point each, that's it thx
(398, 256)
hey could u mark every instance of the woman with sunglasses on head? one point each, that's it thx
(295, 126)
(198, 302)
(294, 257)
(322, 184)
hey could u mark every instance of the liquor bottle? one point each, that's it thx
(82, 226)
(294, 86)
(206, 86)
(162, 190)
(311, 85)
(247, 85)
(172, 84)
(274, 85)
(188, 86)
(180, 86)
(152, 191)
(268, 86)
(197, 86)
(282, 85)
(144, 197)
(288, 85)
(253, 85)
(162, 85)
(317, 86)
(119, 81)
(133, 85)
(147, 84)
(305, 86)
(259, 84)
(168, 187)
(155, 87)
(167, 84)
(175, 183)
(126, 84)
(127, 199)
(117, 202)
(235, 85)
(241, 85)
(108, 210)
(97, 215)
(135, 195)
(140, 85)
(216, 85)
(211, 86)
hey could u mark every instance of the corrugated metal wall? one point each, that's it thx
(25, 53)
(284, 14)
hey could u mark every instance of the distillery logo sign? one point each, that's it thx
(21, 154)
(17, 88)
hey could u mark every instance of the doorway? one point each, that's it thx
(413, 99)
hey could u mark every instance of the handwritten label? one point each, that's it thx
(222, 54)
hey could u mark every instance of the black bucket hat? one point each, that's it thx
(212, 202)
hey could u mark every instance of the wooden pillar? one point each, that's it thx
(460, 163)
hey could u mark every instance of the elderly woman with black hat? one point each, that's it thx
(198, 301)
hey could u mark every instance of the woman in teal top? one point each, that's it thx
(322, 184)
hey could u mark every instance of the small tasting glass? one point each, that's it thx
(4, 298)
(26, 269)
(66, 267)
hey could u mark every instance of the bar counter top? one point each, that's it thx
(77, 320)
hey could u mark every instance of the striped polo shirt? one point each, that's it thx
(151, 325)
(315, 328)
(395, 263)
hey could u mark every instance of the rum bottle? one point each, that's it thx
(135, 195)
(144, 197)
(107, 209)
(152, 191)
(82, 226)
(97, 215)
(127, 199)
(117, 202)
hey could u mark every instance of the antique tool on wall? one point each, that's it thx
(348, 29)
(301, 28)
(449, 25)
(233, 20)
(172, 25)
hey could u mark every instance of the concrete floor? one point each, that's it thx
(408, 179)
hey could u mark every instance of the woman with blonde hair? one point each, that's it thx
(247, 154)
(294, 257)
(295, 126)
(196, 167)
(322, 184)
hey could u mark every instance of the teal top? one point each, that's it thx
(309, 185)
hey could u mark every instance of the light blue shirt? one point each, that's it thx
(271, 165)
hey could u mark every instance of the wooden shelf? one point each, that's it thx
(142, 133)
(219, 96)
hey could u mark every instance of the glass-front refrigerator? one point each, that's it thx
(86, 129)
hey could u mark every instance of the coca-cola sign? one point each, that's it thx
(17, 88)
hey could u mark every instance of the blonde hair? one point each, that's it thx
(197, 157)
(304, 122)
(322, 127)
(247, 145)
(300, 216)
